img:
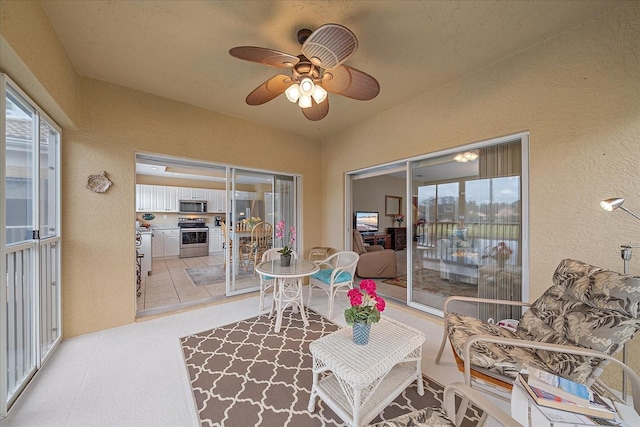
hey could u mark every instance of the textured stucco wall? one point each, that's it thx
(577, 95)
(33, 56)
(116, 122)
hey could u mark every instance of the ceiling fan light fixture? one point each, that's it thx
(306, 86)
(319, 94)
(293, 92)
(467, 156)
(305, 101)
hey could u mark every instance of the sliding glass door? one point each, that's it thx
(465, 216)
(30, 324)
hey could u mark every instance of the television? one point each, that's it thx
(366, 222)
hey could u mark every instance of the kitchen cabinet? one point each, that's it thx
(166, 243)
(215, 240)
(156, 198)
(144, 198)
(172, 242)
(216, 201)
(192, 193)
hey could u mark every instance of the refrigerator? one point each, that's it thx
(246, 209)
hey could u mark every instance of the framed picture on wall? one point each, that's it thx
(392, 205)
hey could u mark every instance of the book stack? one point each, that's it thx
(551, 391)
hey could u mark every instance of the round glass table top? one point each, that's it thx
(297, 268)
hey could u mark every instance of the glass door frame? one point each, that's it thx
(277, 215)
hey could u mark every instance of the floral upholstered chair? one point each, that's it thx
(572, 330)
(449, 416)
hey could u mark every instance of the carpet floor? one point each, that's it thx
(429, 280)
(245, 374)
(212, 274)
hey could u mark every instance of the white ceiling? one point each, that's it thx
(179, 49)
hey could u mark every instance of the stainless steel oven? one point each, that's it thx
(194, 237)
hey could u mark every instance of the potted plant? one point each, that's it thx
(365, 310)
(287, 249)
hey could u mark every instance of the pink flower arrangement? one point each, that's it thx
(366, 305)
(280, 233)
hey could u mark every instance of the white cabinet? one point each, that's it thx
(166, 243)
(156, 198)
(215, 240)
(157, 243)
(171, 199)
(216, 201)
(192, 194)
(246, 195)
(144, 198)
(172, 242)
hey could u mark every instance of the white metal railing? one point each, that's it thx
(50, 315)
(20, 312)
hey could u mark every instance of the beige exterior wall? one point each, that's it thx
(578, 96)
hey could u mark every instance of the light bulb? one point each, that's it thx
(305, 101)
(293, 92)
(319, 94)
(306, 86)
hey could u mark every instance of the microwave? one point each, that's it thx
(192, 206)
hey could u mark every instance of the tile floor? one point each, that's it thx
(134, 375)
(169, 287)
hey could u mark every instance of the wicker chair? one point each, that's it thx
(572, 330)
(336, 274)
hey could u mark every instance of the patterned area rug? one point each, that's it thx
(210, 275)
(245, 374)
(430, 281)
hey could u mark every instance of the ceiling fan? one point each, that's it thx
(318, 70)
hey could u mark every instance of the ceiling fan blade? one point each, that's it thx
(316, 111)
(350, 82)
(269, 89)
(263, 55)
(330, 45)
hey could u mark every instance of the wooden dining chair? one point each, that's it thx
(261, 241)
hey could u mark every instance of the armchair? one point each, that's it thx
(375, 261)
(336, 274)
(572, 330)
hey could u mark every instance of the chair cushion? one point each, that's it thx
(587, 307)
(424, 417)
(503, 360)
(325, 276)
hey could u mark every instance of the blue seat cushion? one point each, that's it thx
(325, 276)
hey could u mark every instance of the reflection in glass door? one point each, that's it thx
(469, 230)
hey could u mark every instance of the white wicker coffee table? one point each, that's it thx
(364, 379)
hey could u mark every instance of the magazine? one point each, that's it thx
(598, 407)
(565, 388)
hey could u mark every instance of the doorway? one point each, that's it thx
(235, 199)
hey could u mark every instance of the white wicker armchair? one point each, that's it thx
(336, 274)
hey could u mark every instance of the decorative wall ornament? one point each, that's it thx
(99, 183)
